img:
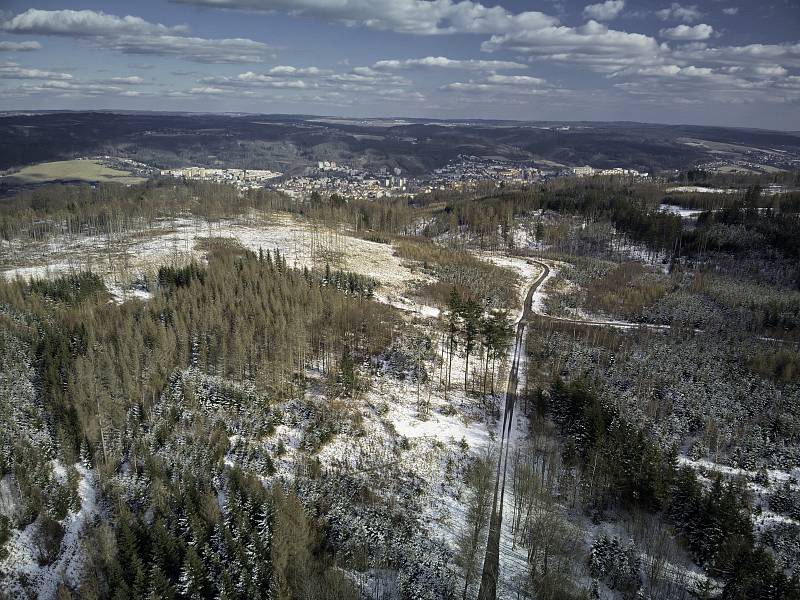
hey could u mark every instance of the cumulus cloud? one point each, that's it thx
(741, 75)
(308, 84)
(593, 45)
(732, 10)
(604, 11)
(491, 93)
(688, 84)
(422, 17)
(770, 71)
(639, 64)
(34, 81)
(678, 12)
(74, 89)
(689, 33)
(19, 46)
(134, 35)
(440, 62)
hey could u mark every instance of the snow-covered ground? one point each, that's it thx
(439, 441)
(124, 259)
(763, 518)
(775, 475)
(22, 560)
(527, 270)
(696, 189)
(686, 213)
(438, 434)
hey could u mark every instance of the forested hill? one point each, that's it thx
(286, 142)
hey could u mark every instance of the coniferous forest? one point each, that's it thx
(209, 393)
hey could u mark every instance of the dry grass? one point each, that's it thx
(459, 269)
(73, 170)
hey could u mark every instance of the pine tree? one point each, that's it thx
(159, 586)
(471, 315)
(454, 309)
(192, 582)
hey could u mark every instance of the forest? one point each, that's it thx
(262, 412)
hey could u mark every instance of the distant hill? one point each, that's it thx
(289, 142)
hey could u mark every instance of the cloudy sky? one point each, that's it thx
(722, 62)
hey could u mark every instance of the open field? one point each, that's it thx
(72, 170)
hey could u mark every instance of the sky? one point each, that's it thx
(715, 62)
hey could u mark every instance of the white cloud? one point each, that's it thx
(19, 46)
(593, 44)
(440, 62)
(604, 11)
(289, 71)
(423, 17)
(480, 87)
(84, 23)
(731, 10)
(734, 82)
(770, 71)
(691, 33)
(14, 71)
(134, 35)
(635, 63)
(75, 89)
(678, 12)
(504, 87)
(358, 79)
(69, 86)
(516, 80)
(786, 55)
(358, 85)
(130, 80)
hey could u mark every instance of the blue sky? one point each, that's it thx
(719, 62)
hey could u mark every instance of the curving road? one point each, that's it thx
(491, 561)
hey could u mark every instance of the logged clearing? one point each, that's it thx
(73, 170)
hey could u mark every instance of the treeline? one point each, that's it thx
(622, 464)
(751, 223)
(745, 230)
(705, 178)
(492, 221)
(489, 219)
(387, 216)
(107, 209)
(752, 197)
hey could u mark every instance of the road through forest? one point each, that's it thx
(491, 561)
